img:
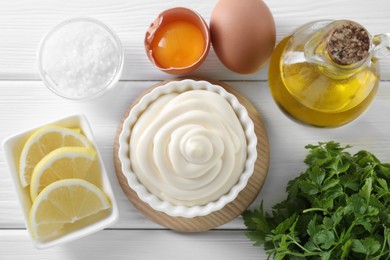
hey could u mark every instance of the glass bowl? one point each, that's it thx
(80, 58)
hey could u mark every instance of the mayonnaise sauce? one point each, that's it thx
(188, 149)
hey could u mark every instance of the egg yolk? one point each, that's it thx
(178, 44)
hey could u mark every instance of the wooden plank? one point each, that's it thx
(25, 104)
(136, 244)
(23, 24)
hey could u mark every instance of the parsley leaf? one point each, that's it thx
(367, 246)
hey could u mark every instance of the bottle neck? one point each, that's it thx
(337, 71)
(340, 49)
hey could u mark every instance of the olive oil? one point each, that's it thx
(309, 94)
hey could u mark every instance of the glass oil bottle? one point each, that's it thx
(326, 73)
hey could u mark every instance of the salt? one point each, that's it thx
(81, 59)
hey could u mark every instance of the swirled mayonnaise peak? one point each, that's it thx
(188, 149)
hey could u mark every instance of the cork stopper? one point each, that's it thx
(349, 43)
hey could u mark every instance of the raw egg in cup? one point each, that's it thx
(178, 41)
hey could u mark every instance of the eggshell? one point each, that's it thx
(168, 16)
(242, 34)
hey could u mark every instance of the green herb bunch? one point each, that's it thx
(339, 208)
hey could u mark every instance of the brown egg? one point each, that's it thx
(242, 34)
(178, 41)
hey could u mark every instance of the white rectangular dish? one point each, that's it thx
(12, 147)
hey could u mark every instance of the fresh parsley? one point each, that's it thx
(339, 208)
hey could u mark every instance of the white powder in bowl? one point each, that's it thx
(80, 59)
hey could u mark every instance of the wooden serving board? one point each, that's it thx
(232, 209)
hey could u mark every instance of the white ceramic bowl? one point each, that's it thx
(164, 206)
(12, 147)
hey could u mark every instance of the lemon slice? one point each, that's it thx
(65, 163)
(42, 142)
(65, 202)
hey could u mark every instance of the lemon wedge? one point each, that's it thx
(65, 163)
(42, 142)
(65, 202)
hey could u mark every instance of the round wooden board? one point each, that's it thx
(231, 210)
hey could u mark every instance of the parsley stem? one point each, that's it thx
(299, 245)
(301, 255)
(313, 209)
(384, 241)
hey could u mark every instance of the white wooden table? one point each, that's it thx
(25, 102)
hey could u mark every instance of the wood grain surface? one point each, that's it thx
(26, 103)
(228, 212)
(23, 24)
(136, 245)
